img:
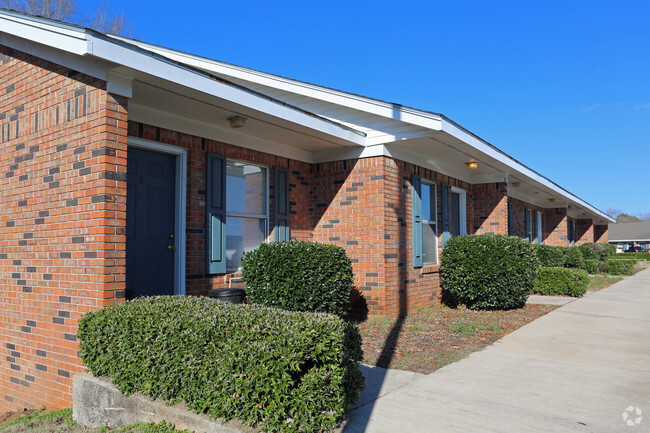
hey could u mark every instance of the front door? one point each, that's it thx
(150, 209)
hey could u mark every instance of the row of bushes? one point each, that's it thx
(499, 272)
(270, 368)
(561, 281)
(593, 258)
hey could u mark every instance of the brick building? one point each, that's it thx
(128, 169)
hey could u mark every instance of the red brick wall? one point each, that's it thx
(601, 233)
(555, 227)
(488, 208)
(584, 231)
(62, 172)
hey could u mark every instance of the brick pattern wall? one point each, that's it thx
(488, 208)
(584, 231)
(601, 233)
(556, 227)
(62, 195)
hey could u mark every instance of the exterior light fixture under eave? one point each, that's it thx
(237, 121)
(515, 184)
(472, 165)
(551, 200)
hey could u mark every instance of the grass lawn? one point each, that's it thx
(599, 282)
(434, 337)
(60, 421)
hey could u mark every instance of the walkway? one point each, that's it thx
(576, 369)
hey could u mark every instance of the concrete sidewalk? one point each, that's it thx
(576, 369)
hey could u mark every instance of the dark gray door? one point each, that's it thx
(150, 207)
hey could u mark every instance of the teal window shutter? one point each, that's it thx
(216, 214)
(511, 227)
(416, 210)
(281, 204)
(446, 220)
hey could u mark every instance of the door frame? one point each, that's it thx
(180, 194)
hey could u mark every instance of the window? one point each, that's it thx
(246, 209)
(429, 225)
(425, 222)
(458, 211)
(538, 227)
(571, 232)
(528, 214)
(237, 210)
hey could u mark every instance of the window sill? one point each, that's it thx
(430, 269)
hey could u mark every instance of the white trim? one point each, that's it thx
(521, 170)
(462, 204)
(81, 42)
(167, 70)
(180, 214)
(356, 102)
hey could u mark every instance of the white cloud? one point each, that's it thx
(592, 107)
(643, 106)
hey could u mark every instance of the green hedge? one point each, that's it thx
(549, 255)
(591, 266)
(637, 256)
(573, 258)
(561, 281)
(594, 251)
(275, 369)
(488, 271)
(619, 267)
(299, 276)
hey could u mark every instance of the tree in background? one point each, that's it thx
(622, 217)
(104, 20)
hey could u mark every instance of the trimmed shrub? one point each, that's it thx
(549, 255)
(488, 271)
(561, 281)
(591, 266)
(275, 369)
(637, 256)
(619, 267)
(610, 251)
(597, 251)
(573, 258)
(299, 276)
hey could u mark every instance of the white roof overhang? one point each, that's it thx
(189, 93)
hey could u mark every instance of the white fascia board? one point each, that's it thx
(62, 37)
(155, 66)
(356, 102)
(518, 168)
(93, 67)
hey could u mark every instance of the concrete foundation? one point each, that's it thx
(98, 402)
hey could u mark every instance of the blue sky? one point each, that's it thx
(563, 87)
